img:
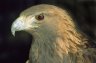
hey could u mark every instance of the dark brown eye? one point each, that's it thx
(40, 17)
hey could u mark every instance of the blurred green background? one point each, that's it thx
(16, 49)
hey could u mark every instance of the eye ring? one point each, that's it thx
(40, 17)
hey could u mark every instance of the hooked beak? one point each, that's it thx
(17, 25)
(20, 24)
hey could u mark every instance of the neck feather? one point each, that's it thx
(56, 47)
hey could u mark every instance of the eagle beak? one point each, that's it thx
(17, 25)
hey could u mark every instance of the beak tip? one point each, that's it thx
(13, 32)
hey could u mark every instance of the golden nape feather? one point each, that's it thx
(56, 37)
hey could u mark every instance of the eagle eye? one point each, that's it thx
(40, 17)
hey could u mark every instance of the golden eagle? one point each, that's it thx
(56, 37)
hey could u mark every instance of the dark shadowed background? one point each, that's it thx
(16, 49)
